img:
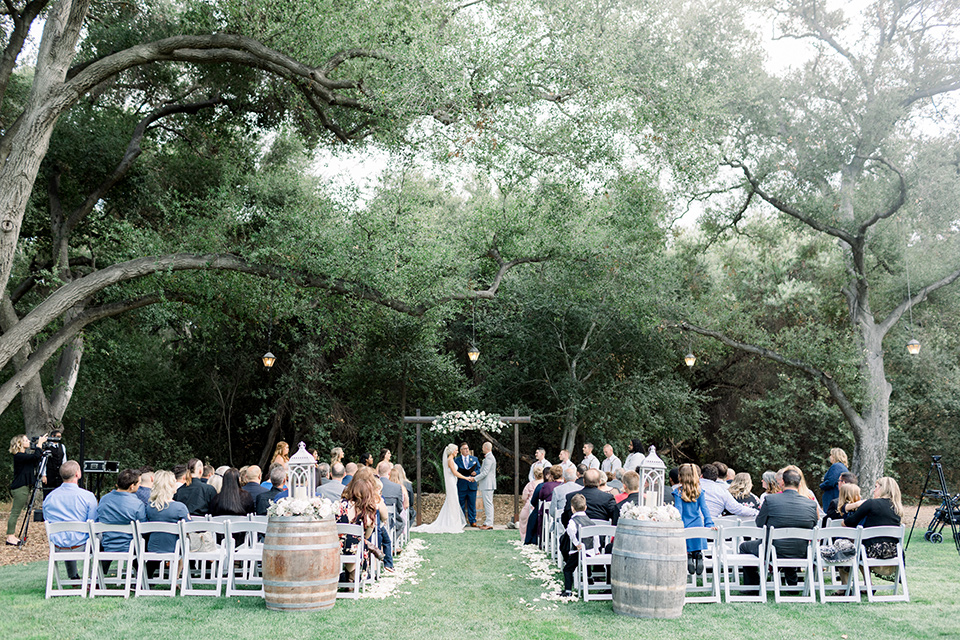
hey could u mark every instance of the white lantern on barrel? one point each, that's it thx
(652, 475)
(302, 474)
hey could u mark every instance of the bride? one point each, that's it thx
(450, 519)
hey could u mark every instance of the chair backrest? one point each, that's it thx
(893, 531)
(597, 530)
(68, 527)
(144, 528)
(792, 533)
(256, 518)
(829, 533)
(833, 522)
(103, 527)
(701, 532)
(741, 532)
(197, 526)
(247, 527)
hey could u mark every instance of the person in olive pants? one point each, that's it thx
(25, 460)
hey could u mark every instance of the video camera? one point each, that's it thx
(49, 444)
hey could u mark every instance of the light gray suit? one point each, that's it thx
(486, 485)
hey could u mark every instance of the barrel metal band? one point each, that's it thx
(300, 583)
(648, 556)
(296, 547)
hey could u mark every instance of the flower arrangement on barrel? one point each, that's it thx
(664, 513)
(318, 508)
(457, 421)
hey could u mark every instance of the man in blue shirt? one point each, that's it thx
(70, 503)
(121, 506)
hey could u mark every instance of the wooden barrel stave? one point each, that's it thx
(648, 569)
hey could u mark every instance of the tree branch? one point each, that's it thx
(843, 403)
(920, 296)
(895, 206)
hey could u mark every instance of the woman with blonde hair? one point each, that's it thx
(884, 509)
(689, 500)
(849, 492)
(25, 460)
(281, 454)
(161, 507)
(527, 494)
(336, 455)
(741, 490)
(831, 479)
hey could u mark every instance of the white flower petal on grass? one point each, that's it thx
(404, 568)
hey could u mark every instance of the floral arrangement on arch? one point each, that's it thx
(666, 513)
(318, 508)
(456, 421)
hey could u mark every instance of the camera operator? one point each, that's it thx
(25, 459)
(50, 469)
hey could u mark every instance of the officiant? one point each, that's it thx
(467, 465)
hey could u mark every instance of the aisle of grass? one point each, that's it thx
(463, 593)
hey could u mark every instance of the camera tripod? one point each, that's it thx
(31, 504)
(947, 512)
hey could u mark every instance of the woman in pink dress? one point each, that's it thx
(527, 493)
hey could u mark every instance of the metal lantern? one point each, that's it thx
(652, 475)
(302, 474)
(913, 347)
(473, 353)
(690, 359)
(268, 359)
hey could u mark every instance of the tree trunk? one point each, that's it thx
(871, 437)
(403, 412)
(570, 428)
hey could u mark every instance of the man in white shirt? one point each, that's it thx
(610, 462)
(565, 460)
(559, 500)
(716, 493)
(541, 462)
(588, 458)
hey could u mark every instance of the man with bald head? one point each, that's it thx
(600, 504)
(251, 478)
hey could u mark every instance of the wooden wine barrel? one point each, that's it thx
(649, 569)
(301, 564)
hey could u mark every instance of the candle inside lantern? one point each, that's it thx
(300, 493)
(650, 499)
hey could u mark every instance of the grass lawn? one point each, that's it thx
(463, 593)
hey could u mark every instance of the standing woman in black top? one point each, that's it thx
(25, 461)
(885, 509)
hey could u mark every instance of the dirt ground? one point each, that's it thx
(36, 546)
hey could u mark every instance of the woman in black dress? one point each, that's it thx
(883, 510)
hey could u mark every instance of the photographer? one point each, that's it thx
(25, 459)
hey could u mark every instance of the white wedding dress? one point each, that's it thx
(450, 518)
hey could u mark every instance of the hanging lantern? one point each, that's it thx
(268, 359)
(302, 474)
(473, 353)
(652, 476)
(690, 359)
(913, 347)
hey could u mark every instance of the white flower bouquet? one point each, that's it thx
(457, 421)
(318, 508)
(666, 513)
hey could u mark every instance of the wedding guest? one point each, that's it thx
(70, 503)
(581, 469)
(333, 490)
(216, 481)
(541, 497)
(146, 484)
(195, 493)
(570, 544)
(848, 493)
(120, 506)
(588, 458)
(603, 485)
(385, 455)
(181, 475)
(359, 505)
(404, 481)
(674, 477)
(610, 462)
(717, 495)
(251, 476)
(612, 480)
(559, 499)
(278, 477)
(689, 499)
(770, 484)
(741, 488)
(366, 460)
(232, 499)
(396, 476)
(323, 474)
(208, 473)
(804, 490)
(884, 509)
(527, 494)
(830, 485)
(731, 474)
(351, 469)
(721, 471)
(161, 507)
(600, 505)
(336, 455)
(631, 489)
(281, 454)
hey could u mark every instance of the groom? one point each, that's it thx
(467, 465)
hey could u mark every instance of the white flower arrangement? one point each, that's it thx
(457, 421)
(666, 513)
(318, 508)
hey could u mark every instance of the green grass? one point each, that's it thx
(463, 594)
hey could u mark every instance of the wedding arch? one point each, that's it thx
(458, 421)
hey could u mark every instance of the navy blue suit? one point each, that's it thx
(466, 490)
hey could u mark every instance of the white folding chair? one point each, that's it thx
(805, 565)
(170, 561)
(352, 588)
(100, 582)
(592, 587)
(255, 518)
(874, 592)
(244, 558)
(709, 589)
(546, 530)
(80, 554)
(850, 588)
(732, 561)
(207, 564)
